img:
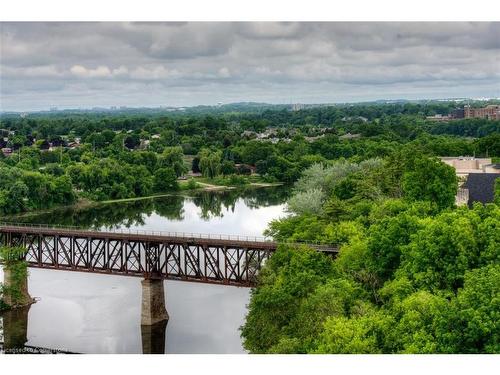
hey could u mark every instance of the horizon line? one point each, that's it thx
(55, 108)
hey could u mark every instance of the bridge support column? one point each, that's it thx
(153, 302)
(16, 291)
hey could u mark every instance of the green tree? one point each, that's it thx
(431, 180)
(173, 157)
(440, 253)
(476, 327)
(307, 202)
(165, 179)
(210, 162)
(421, 324)
(285, 281)
(359, 335)
(227, 168)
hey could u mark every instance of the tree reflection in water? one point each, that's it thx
(212, 204)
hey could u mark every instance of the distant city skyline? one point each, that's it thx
(293, 105)
(85, 65)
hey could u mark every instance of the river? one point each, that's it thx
(90, 313)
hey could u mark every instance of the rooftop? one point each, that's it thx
(481, 187)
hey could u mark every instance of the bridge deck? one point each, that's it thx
(233, 260)
(161, 236)
(179, 238)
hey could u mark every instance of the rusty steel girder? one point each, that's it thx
(208, 260)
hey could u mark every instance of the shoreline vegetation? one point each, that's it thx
(85, 203)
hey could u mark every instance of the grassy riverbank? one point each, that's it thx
(236, 181)
(202, 184)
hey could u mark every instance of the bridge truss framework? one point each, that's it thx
(209, 260)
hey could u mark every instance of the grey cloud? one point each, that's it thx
(272, 30)
(89, 64)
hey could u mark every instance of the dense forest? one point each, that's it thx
(415, 273)
(58, 158)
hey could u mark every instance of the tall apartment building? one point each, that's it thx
(490, 112)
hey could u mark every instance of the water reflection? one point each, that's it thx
(14, 329)
(153, 338)
(14, 335)
(90, 313)
(206, 206)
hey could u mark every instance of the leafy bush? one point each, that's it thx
(13, 261)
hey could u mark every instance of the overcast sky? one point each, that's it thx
(71, 65)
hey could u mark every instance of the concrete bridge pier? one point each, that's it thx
(19, 296)
(153, 302)
(154, 316)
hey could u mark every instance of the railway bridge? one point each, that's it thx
(153, 256)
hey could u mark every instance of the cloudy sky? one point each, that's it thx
(71, 65)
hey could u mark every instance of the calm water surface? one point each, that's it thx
(89, 313)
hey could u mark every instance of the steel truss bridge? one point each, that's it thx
(219, 259)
